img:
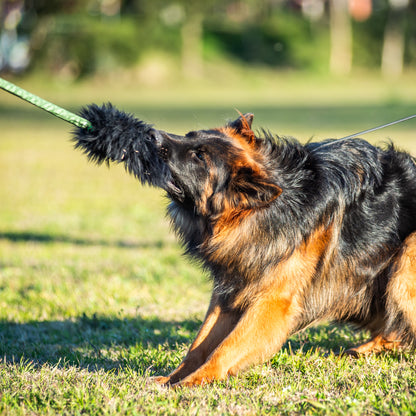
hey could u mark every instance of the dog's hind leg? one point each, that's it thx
(216, 327)
(377, 343)
(401, 293)
(398, 328)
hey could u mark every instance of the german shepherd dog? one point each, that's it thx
(291, 234)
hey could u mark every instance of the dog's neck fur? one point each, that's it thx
(217, 240)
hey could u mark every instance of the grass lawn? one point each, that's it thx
(95, 295)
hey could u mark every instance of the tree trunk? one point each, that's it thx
(192, 61)
(394, 40)
(341, 38)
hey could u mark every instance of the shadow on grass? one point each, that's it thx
(45, 238)
(96, 342)
(326, 338)
(141, 344)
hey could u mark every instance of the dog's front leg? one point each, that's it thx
(260, 332)
(216, 327)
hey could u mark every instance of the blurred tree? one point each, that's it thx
(394, 39)
(191, 33)
(188, 16)
(192, 30)
(79, 37)
(341, 37)
(75, 38)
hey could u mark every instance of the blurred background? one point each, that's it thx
(74, 39)
(245, 54)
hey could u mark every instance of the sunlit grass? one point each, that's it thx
(95, 295)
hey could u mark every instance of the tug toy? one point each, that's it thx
(106, 134)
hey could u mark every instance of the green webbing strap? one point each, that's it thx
(45, 105)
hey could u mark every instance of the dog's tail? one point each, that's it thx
(119, 137)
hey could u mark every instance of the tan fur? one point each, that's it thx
(402, 286)
(228, 342)
(377, 344)
(275, 271)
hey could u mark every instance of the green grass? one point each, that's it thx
(95, 295)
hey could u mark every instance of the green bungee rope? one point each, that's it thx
(45, 105)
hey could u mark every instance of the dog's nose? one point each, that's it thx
(158, 137)
(165, 143)
(163, 153)
(161, 141)
(161, 137)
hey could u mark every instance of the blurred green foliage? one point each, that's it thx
(283, 40)
(85, 37)
(87, 44)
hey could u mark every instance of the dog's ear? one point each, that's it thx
(242, 126)
(243, 122)
(251, 189)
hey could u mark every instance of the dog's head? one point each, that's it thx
(217, 170)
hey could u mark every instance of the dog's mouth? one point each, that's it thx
(175, 190)
(172, 186)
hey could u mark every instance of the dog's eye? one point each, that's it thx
(197, 155)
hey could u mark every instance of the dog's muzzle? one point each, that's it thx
(162, 141)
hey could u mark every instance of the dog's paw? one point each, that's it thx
(161, 380)
(194, 379)
(351, 352)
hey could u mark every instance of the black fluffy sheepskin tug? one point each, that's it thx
(119, 137)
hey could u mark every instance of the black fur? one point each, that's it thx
(120, 137)
(367, 191)
(245, 206)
